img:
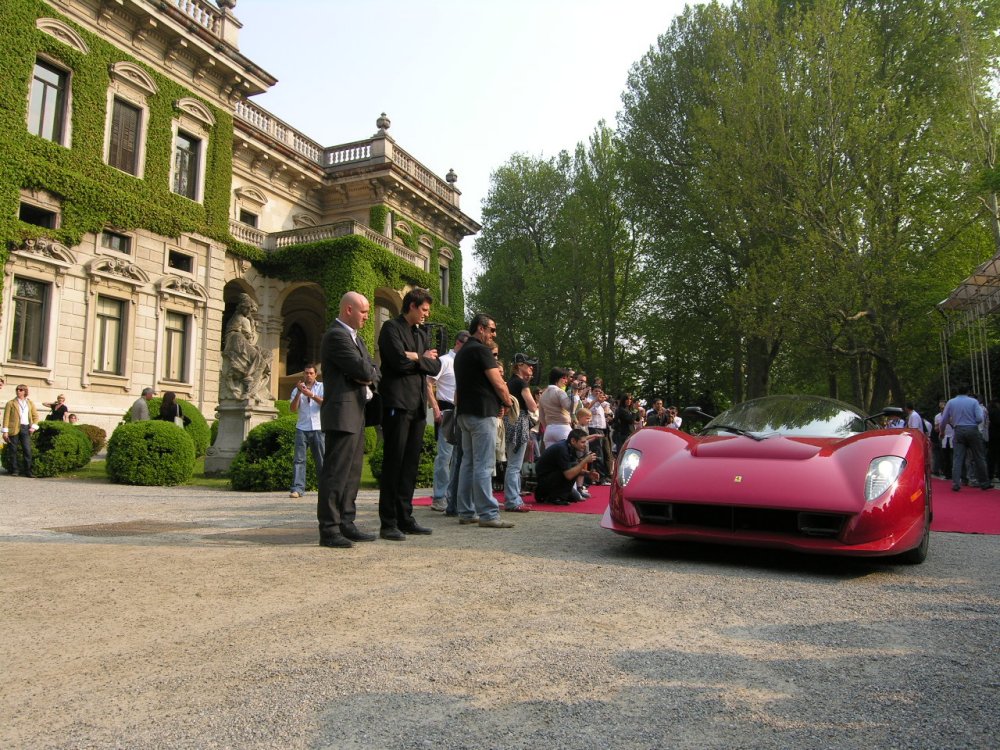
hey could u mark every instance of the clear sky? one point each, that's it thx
(466, 83)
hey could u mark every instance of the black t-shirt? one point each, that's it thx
(556, 459)
(473, 390)
(516, 387)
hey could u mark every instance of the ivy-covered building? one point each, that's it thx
(142, 192)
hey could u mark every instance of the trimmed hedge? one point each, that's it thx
(266, 459)
(56, 447)
(428, 452)
(97, 436)
(197, 426)
(152, 453)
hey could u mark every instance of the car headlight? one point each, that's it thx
(628, 462)
(882, 474)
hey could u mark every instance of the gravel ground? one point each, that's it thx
(186, 617)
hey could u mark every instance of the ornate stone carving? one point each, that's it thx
(132, 74)
(56, 28)
(117, 269)
(197, 110)
(246, 367)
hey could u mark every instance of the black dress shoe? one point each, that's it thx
(415, 528)
(355, 534)
(336, 540)
(393, 535)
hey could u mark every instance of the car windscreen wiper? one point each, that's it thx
(736, 430)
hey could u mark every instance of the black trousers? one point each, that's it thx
(402, 441)
(339, 481)
(23, 439)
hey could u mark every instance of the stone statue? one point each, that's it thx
(246, 368)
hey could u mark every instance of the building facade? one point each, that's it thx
(143, 192)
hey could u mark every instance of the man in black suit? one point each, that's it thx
(349, 379)
(406, 361)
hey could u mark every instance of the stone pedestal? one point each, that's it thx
(236, 419)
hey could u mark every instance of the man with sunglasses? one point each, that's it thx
(20, 420)
(480, 392)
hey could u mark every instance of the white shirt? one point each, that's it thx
(309, 408)
(599, 410)
(445, 379)
(915, 421)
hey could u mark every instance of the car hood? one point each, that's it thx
(819, 474)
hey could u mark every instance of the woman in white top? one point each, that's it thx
(554, 408)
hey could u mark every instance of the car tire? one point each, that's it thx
(918, 554)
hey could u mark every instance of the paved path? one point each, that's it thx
(202, 618)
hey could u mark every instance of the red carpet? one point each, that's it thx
(971, 511)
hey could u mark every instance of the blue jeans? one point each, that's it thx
(968, 438)
(313, 439)
(479, 455)
(512, 479)
(442, 470)
(451, 509)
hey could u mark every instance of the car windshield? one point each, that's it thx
(805, 416)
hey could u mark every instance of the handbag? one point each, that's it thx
(449, 426)
(179, 421)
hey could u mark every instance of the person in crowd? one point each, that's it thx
(73, 419)
(965, 415)
(170, 410)
(307, 403)
(554, 408)
(560, 466)
(59, 410)
(140, 409)
(946, 434)
(349, 379)
(913, 419)
(407, 359)
(20, 420)
(583, 418)
(600, 418)
(624, 423)
(657, 416)
(442, 398)
(518, 429)
(480, 393)
(675, 420)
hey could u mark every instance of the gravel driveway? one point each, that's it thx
(186, 617)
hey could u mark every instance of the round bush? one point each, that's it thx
(371, 440)
(284, 407)
(213, 432)
(196, 427)
(56, 447)
(97, 436)
(266, 459)
(150, 453)
(428, 452)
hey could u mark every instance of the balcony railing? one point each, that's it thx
(302, 235)
(202, 13)
(376, 150)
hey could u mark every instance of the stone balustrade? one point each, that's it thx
(279, 130)
(202, 13)
(303, 235)
(379, 149)
(246, 233)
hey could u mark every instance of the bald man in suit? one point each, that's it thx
(350, 377)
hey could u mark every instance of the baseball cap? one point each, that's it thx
(524, 359)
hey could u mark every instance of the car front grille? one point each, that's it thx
(737, 519)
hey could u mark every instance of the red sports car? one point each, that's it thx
(793, 472)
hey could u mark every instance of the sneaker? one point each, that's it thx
(466, 521)
(518, 509)
(496, 523)
(438, 508)
(293, 493)
(585, 494)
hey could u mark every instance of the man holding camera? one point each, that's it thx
(560, 466)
